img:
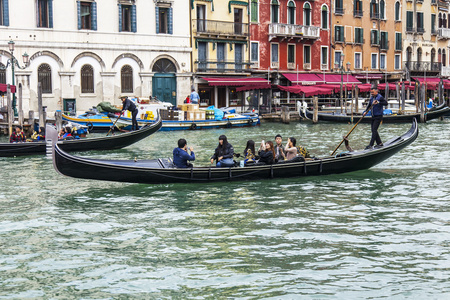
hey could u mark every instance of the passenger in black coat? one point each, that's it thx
(266, 153)
(223, 153)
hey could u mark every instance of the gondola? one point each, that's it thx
(98, 143)
(161, 171)
(434, 113)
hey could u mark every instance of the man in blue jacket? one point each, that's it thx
(376, 102)
(180, 155)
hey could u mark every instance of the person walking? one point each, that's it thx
(376, 103)
(129, 105)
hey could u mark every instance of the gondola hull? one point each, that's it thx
(161, 171)
(99, 143)
(393, 118)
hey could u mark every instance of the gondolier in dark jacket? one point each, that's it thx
(223, 153)
(129, 105)
(376, 103)
(181, 156)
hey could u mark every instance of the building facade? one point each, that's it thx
(85, 52)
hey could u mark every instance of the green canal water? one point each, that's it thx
(378, 233)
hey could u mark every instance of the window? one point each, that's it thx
(374, 62)
(419, 54)
(358, 60)
(433, 24)
(238, 53)
(202, 55)
(291, 12)
(398, 41)
(2, 73)
(254, 52)
(409, 21)
(444, 58)
(324, 58)
(44, 14)
(291, 54)
(339, 33)
(127, 18)
(220, 57)
(306, 54)
(397, 60)
(374, 36)
(87, 79)
(382, 10)
(4, 13)
(337, 58)
(357, 8)
(87, 15)
(384, 42)
(324, 17)
(126, 79)
(307, 14)
(433, 55)
(254, 11)
(359, 35)
(338, 7)
(397, 11)
(45, 78)
(201, 18)
(383, 61)
(274, 7)
(420, 22)
(274, 55)
(374, 13)
(164, 17)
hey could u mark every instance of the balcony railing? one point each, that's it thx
(444, 33)
(375, 16)
(290, 30)
(357, 13)
(410, 29)
(420, 30)
(339, 11)
(222, 66)
(220, 28)
(422, 66)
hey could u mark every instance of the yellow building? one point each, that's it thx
(220, 36)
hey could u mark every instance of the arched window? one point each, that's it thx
(444, 58)
(440, 20)
(439, 56)
(374, 13)
(45, 78)
(126, 79)
(324, 17)
(408, 57)
(291, 12)
(444, 21)
(382, 6)
(2, 73)
(419, 55)
(164, 65)
(397, 11)
(447, 21)
(433, 55)
(357, 8)
(307, 14)
(274, 11)
(87, 79)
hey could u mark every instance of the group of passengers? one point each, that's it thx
(224, 153)
(18, 136)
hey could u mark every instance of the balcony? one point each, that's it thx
(374, 16)
(410, 29)
(339, 11)
(444, 33)
(306, 66)
(358, 13)
(420, 30)
(421, 66)
(445, 71)
(220, 29)
(433, 2)
(293, 31)
(216, 66)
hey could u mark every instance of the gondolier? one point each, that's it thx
(376, 104)
(129, 105)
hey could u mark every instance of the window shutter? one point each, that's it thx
(94, 15)
(157, 18)
(79, 14)
(120, 17)
(133, 19)
(5, 13)
(50, 13)
(170, 21)
(361, 35)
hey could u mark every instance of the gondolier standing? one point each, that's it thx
(376, 102)
(129, 105)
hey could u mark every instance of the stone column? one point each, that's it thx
(146, 83)
(108, 86)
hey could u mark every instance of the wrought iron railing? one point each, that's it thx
(422, 66)
(222, 66)
(358, 13)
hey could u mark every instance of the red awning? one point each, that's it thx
(392, 86)
(3, 88)
(368, 76)
(235, 81)
(431, 82)
(364, 87)
(336, 78)
(303, 78)
(446, 84)
(307, 90)
(251, 87)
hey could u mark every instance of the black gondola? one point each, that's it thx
(98, 143)
(158, 171)
(434, 113)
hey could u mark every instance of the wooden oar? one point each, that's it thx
(364, 114)
(114, 125)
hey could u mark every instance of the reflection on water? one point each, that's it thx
(377, 233)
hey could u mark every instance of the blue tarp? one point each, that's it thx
(218, 114)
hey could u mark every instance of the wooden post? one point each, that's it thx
(416, 97)
(351, 105)
(397, 89)
(285, 117)
(58, 119)
(20, 105)
(40, 110)
(345, 99)
(357, 99)
(403, 97)
(316, 110)
(422, 102)
(10, 109)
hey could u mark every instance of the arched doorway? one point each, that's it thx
(164, 83)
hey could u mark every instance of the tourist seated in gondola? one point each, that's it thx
(291, 149)
(249, 153)
(279, 149)
(39, 135)
(266, 153)
(17, 136)
(181, 156)
(223, 153)
(67, 134)
(61, 133)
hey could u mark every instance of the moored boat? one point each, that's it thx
(157, 171)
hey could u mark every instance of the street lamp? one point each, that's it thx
(13, 61)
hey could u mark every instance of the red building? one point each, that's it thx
(289, 36)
